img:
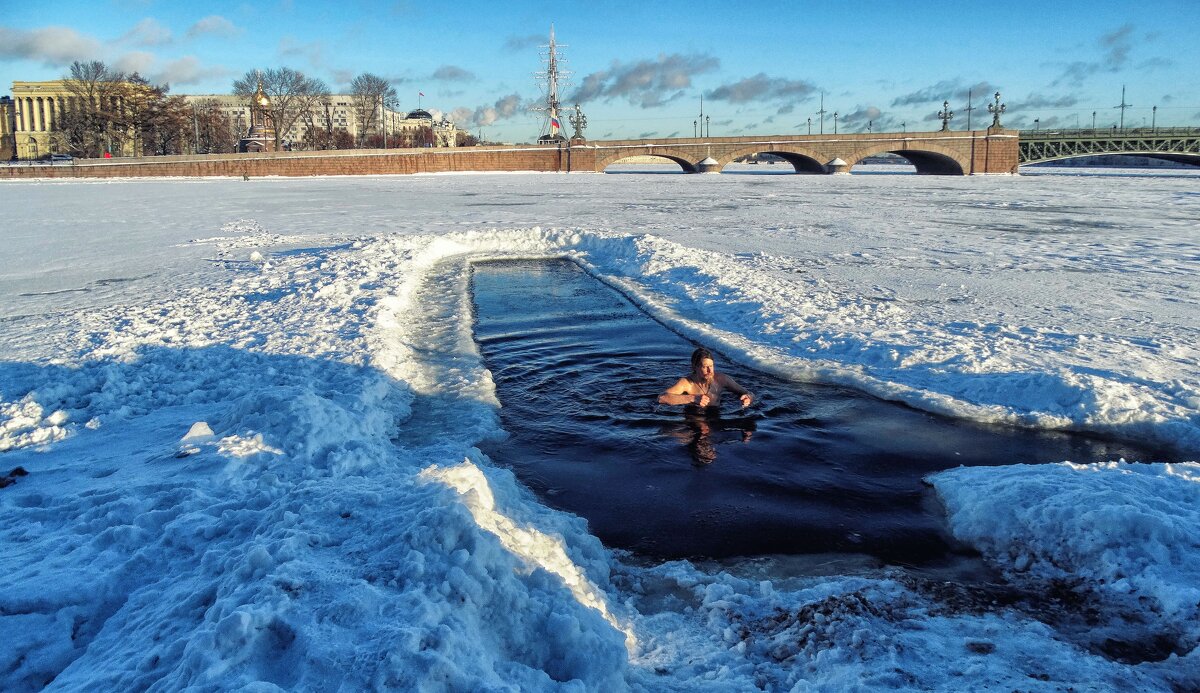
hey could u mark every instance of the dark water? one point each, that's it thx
(809, 469)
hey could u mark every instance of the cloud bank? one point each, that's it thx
(646, 83)
(760, 87)
(482, 116)
(946, 90)
(53, 46)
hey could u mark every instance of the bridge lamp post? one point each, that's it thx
(1154, 119)
(903, 126)
(708, 125)
(945, 114)
(996, 109)
(810, 126)
(1093, 122)
(1036, 123)
(694, 131)
(869, 124)
(835, 115)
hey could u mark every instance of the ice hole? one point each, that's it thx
(811, 469)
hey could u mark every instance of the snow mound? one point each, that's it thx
(1126, 534)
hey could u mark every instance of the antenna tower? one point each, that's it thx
(551, 79)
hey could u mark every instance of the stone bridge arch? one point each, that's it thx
(928, 157)
(685, 164)
(803, 159)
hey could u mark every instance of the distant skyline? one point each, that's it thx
(640, 69)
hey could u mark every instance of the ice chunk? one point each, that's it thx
(200, 432)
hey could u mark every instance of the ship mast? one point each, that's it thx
(552, 78)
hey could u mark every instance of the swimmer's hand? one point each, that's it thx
(704, 400)
(746, 398)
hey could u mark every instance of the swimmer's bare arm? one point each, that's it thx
(680, 393)
(732, 385)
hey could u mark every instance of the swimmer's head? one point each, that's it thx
(702, 363)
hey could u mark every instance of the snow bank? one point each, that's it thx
(333, 525)
(1127, 534)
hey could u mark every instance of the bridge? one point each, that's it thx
(940, 153)
(947, 152)
(1181, 145)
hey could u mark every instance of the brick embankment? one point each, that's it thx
(939, 153)
(343, 163)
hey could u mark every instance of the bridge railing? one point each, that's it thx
(1096, 133)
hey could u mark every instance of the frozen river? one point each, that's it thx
(251, 414)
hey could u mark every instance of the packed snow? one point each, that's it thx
(249, 414)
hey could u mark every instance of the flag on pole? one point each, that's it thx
(554, 123)
(420, 93)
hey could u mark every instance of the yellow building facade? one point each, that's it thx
(36, 105)
(8, 143)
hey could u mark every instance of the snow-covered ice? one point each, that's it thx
(249, 411)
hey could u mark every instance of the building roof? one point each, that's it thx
(419, 114)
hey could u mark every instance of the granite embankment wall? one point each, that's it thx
(337, 163)
(944, 153)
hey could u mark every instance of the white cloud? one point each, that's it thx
(214, 24)
(53, 46)
(140, 62)
(147, 32)
(187, 70)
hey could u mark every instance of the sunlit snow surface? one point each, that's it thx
(335, 526)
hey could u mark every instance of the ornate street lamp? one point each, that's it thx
(810, 126)
(997, 108)
(578, 120)
(945, 114)
(835, 115)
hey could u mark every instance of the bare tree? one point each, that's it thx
(169, 129)
(88, 125)
(212, 128)
(318, 126)
(370, 94)
(290, 92)
(140, 116)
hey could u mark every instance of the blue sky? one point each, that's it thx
(640, 68)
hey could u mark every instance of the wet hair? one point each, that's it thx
(698, 357)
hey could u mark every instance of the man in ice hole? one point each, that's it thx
(704, 386)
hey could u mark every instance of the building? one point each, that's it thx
(39, 108)
(445, 133)
(8, 141)
(337, 113)
(35, 107)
